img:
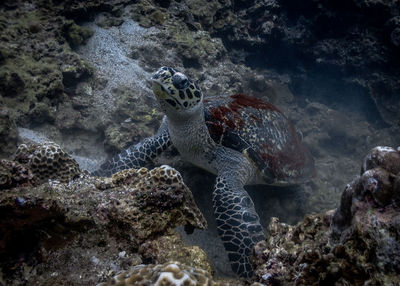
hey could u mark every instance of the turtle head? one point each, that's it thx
(176, 92)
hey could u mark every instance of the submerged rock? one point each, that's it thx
(84, 230)
(74, 34)
(8, 132)
(47, 161)
(171, 274)
(357, 244)
(170, 247)
(13, 174)
(160, 201)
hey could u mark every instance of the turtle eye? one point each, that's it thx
(180, 81)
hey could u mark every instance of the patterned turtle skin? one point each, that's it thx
(239, 138)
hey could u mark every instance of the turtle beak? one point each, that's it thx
(158, 88)
(156, 79)
(157, 74)
(156, 83)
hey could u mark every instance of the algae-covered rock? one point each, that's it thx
(377, 184)
(133, 120)
(162, 200)
(13, 174)
(76, 35)
(8, 131)
(357, 244)
(171, 248)
(31, 82)
(80, 232)
(147, 14)
(385, 157)
(171, 273)
(47, 161)
(74, 69)
(11, 82)
(195, 48)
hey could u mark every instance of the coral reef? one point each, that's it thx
(170, 247)
(312, 40)
(355, 245)
(8, 131)
(47, 161)
(75, 72)
(31, 74)
(40, 70)
(13, 174)
(83, 231)
(170, 273)
(162, 199)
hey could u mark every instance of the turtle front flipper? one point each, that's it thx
(137, 156)
(237, 221)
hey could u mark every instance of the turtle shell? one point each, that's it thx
(263, 133)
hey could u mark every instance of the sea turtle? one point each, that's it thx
(240, 138)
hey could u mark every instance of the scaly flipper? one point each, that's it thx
(237, 221)
(139, 155)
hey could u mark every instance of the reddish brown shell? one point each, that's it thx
(262, 132)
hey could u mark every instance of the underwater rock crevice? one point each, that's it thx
(50, 217)
(354, 244)
(309, 39)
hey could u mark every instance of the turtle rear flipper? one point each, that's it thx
(238, 224)
(237, 221)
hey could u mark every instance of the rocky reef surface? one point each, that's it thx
(356, 244)
(75, 73)
(67, 228)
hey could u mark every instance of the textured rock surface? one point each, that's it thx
(170, 273)
(325, 43)
(118, 91)
(47, 161)
(356, 244)
(13, 174)
(80, 232)
(32, 75)
(171, 248)
(8, 132)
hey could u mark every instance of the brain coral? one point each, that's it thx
(171, 273)
(168, 274)
(47, 161)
